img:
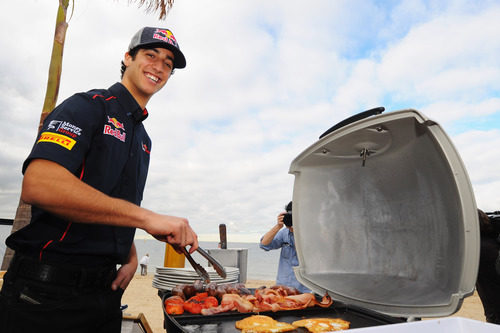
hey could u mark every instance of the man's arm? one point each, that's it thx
(269, 236)
(53, 188)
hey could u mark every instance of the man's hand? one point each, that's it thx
(124, 276)
(269, 236)
(280, 219)
(174, 230)
(127, 271)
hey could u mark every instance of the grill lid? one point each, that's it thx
(385, 217)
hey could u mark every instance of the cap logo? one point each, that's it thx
(166, 36)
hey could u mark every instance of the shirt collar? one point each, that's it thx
(128, 102)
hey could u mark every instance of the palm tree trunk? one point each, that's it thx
(23, 213)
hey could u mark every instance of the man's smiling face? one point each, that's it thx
(147, 73)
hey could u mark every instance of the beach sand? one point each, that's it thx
(141, 297)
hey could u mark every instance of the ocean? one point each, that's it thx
(261, 265)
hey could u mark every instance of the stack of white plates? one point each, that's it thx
(167, 278)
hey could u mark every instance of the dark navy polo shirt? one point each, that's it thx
(99, 137)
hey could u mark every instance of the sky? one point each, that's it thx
(263, 80)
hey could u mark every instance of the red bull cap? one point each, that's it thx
(158, 37)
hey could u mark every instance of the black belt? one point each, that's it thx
(81, 277)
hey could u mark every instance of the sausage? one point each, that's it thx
(178, 290)
(198, 286)
(189, 291)
(211, 289)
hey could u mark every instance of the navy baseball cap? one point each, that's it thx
(158, 37)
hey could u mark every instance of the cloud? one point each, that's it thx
(448, 56)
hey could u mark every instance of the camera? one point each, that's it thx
(287, 219)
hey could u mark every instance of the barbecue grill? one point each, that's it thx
(385, 222)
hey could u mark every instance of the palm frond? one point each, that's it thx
(163, 6)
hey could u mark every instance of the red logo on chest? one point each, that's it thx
(108, 130)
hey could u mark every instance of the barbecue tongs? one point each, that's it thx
(199, 269)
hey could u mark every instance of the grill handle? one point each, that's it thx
(356, 117)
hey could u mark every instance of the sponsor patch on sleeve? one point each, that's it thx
(61, 140)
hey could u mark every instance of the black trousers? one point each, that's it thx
(28, 305)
